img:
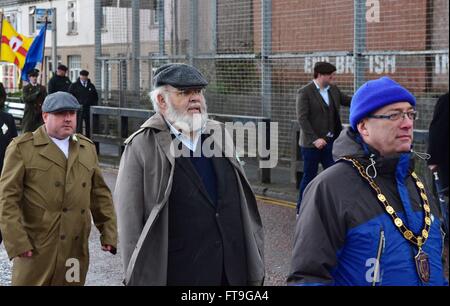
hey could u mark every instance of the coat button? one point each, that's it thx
(76, 237)
(84, 185)
(57, 184)
(217, 215)
(63, 237)
(82, 211)
(65, 209)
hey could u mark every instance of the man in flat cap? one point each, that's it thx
(318, 113)
(33, 95)
(367, 220)
(87, 95)
(59, 81)
(190, 219)
(50, 186)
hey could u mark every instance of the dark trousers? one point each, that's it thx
(311, 159)
(83, 115)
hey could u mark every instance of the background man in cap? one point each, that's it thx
(59, 81)
(87, 96)
(367, 220)
(185, 220)
(50, 186)
(318, 113)
(33, 96)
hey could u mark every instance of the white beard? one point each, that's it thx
(183, 120)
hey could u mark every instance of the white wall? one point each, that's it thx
(84, 16)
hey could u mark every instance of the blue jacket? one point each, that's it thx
(343, 235)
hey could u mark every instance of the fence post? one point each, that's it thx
(161, 26)
(359, 42)
(266, 79)
(136, 44)
(98, 43)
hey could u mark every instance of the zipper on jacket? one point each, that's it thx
(377, 272)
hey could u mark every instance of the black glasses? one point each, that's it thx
(412, 115)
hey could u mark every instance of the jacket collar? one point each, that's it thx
(348, 145)
(51, 151)
(158, 123)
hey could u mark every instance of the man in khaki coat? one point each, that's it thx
(50, 186)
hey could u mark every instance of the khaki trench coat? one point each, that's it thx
(141, 198)
(46, 203)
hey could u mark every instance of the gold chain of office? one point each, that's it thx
(407, 233)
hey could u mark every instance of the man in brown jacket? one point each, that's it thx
(318, 105)
(50, 185)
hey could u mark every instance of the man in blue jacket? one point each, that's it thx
(367, 221)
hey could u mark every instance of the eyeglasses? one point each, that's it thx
(187, 92)
(412, 115)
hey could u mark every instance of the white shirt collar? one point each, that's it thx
(62, 144)
(191, 144)
(318, 86)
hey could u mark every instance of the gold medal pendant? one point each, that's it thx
(423, 265)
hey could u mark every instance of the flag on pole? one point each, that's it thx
(35, 54)
(14, 46)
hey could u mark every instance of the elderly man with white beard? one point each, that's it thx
(189, 219)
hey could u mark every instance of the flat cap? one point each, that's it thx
(180, 76)
(62, 67)
(60, 101)
(33, 72)
(324, 68)
(84, 72)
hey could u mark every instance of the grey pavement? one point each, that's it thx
(278, 220)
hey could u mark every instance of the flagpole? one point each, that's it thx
(43, 48)
(1, 30)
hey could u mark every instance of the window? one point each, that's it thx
(49, 61)
(32, 20)
(104, 14)
(106, 80)
(12, 19)
(74, 67)
(72, 27)
(154, 17)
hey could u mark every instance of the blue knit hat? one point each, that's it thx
(374, 95)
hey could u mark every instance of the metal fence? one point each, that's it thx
(257, 53)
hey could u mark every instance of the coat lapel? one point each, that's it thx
(49, 149)
(74, 149)
(318, 96)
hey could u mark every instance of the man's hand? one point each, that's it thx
(320, 143)
(433, 168)
(27, 254)
(109, 248)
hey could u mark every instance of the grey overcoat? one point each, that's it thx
(141, 198)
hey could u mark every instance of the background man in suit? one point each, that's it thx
(87, 96)
(318, 105)
(59, 82)
(188, 220)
